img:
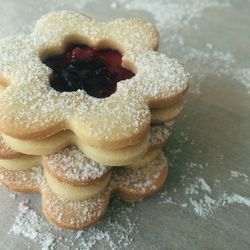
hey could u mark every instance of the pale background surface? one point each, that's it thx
(211, 138)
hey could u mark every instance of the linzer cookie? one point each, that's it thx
(97, 85)
(13, 160)
(130, 185)
(75, 189)
(79, 97)
(78, 196)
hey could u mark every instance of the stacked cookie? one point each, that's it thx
(73, 110)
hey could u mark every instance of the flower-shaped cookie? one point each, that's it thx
(31, 109)
(128, 184)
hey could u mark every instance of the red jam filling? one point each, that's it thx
(82, 67)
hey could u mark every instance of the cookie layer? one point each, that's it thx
(135, 184)
(151, 155)
(21, 163)
(30, 109)
(6, 152)
(23, 180)
(59, 141)
(159, 116)
(72, 167)
(76, 193)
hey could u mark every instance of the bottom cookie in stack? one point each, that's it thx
(76, 190)
(128, 184)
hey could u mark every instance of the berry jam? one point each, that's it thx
(82, 67)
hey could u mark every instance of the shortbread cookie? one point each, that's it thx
(128, 184)
(135, 184)
(55, 143)
(12, 160)
(162, 115)
(76, 193)
(50, 81)
(73, 176)
(22, 180)
(121, 157)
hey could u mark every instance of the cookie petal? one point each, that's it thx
(158, 77)
(14, 53)
(129, 33)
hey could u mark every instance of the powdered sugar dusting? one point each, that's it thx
(199, 187)
(72, 164)
(201, 196)
(208, 63)
(243, 75)
(29, 224)
(237, 174)
(199, 184)
(116, 230)
(31, 179)
(154, 67)
(207, 206)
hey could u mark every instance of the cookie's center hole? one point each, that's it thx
(96, 71)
